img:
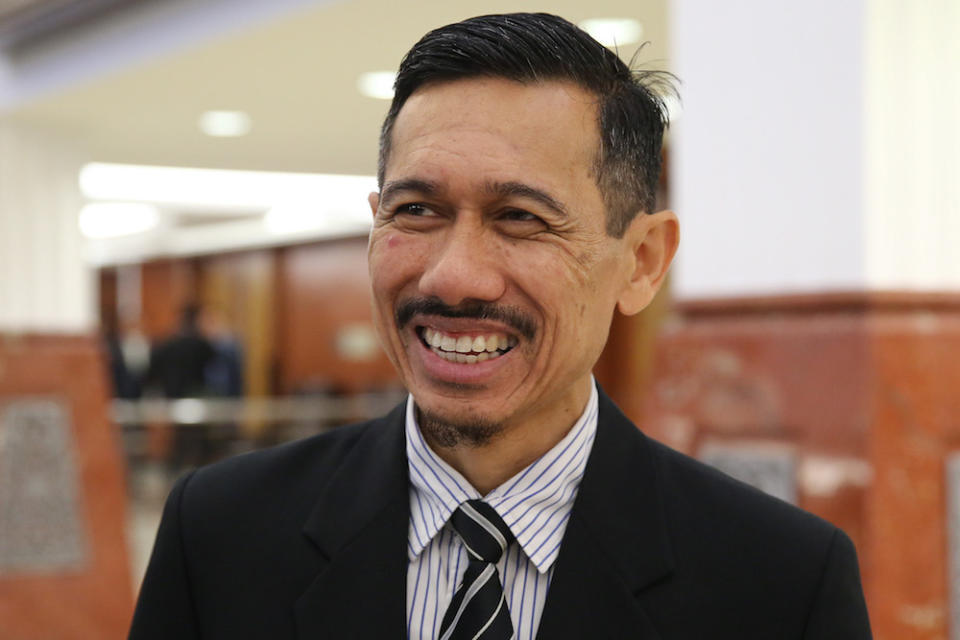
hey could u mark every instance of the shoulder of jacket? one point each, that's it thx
(279, 475)
(732, 505)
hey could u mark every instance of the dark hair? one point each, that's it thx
(532, 47)
(189, 315)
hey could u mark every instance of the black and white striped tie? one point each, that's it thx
(479, 610)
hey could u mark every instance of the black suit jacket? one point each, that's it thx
(308, 541)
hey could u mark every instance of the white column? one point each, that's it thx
(912, 144)
(819, 146)
(767, 151)
(45, 286)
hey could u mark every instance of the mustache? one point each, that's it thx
(513, 317)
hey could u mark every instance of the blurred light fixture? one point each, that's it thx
(291, 218)
(329, 217)
(227, 191)
(377, 84)
(113, 219)
(613, 31)
(224, 124)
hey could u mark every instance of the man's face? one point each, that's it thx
(490, 207)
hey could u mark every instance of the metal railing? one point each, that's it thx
(315, 409)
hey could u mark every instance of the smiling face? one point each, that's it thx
(494, 280)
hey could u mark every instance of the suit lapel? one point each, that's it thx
(616, 544)
(360, 526)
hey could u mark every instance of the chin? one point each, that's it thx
(453, 429)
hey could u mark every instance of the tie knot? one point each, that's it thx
(482, 530)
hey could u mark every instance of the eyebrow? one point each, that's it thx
(391, 189)
(499, 189)
(519, 189)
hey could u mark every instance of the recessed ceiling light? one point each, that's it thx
(114, 219)
(377, 84)
(613, 31)
(224, 124)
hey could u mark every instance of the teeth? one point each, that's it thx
(467, 349)
(464, 358)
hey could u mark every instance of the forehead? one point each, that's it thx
(498, 125)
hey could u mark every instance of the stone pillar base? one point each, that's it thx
(847, 405)
(64, 571)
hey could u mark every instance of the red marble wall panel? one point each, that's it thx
(93, 599)
(863, 389)
(915, 409)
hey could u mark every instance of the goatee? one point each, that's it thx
(470, 432)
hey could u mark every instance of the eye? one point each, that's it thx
(415, 216)
(520, 222)
(519, 215)
(413, 209)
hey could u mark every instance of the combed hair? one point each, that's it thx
(536, 47)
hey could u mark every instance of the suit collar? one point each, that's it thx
(543, 490)
(622, 502)
(359, 526)
(370, 479)
(617, 543)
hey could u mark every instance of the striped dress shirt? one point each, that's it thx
(535, 504)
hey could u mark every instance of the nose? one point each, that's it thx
(465, 265)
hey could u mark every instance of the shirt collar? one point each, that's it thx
(535, 503)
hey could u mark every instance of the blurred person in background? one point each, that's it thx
(223, 373)
(223, 377)
(508, 497)
(125, 384)
(178, 362)
(178, 369)
(128, 357)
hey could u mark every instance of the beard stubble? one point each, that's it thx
(446, 433)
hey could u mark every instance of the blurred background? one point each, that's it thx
(183, 275)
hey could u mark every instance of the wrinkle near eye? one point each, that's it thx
(587, 255)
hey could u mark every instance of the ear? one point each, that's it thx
(652, 240)
(374, 201)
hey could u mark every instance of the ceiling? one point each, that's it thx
(294, 75)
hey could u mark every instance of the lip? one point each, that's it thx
(457, 373)
(462, 326)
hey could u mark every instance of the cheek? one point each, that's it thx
(391, 258)
(576, 297)
(552, 275)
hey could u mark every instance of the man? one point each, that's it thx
(508, 497)
(177, 368)
(178, 362)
